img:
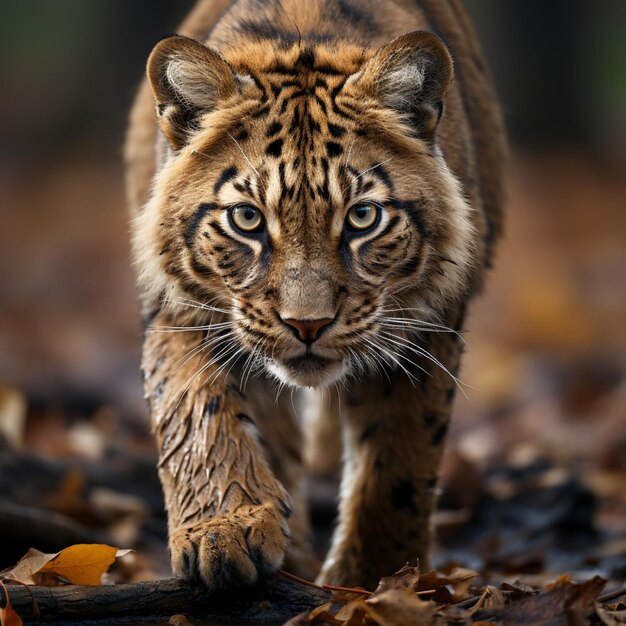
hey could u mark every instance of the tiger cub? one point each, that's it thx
(315, 201)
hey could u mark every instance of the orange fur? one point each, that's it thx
(297, 114)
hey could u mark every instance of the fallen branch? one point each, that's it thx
(277, 601)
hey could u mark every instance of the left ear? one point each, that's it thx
(411, 75)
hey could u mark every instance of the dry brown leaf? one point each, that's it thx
(353, 614)
(27, 566)
(609, 617)
(450, 585)
(492, 598)
(8, 616)
(398, 607)
(323, 614)
(81, 564)
(406, 578)
(563, 601)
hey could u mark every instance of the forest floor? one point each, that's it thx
(533, 485)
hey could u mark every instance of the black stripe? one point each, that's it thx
(228, 174)
(412, 209)
(383, 175)
(199, 268)
(336, 131)
(408, 268)
(257, 82)
(365, 247)
(196, 219)
(220, 231)
(264, 110)
(276, 127)
(333, 149)
(275, 148)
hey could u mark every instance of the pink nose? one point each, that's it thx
(308, 330)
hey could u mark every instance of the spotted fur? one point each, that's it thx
(304, 110)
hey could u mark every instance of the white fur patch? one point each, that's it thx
(403, 84)
(194, 83)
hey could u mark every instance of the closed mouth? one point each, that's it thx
(309, 362)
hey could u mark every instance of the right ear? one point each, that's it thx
(187, 80)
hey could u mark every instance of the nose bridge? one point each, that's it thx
(307, 291)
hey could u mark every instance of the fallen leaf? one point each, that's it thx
(398, 607)
(450, 585)
(353, 614)
(8, 616)
(405, 578)
(518, 588)
(27, 566)
(492, 598)
(81, 564)
(323, 614)
(563, 601)
(609, 617)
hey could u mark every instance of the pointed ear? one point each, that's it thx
(187, 79)
(411, 75)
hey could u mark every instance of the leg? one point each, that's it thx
(394, 433)
(281, 437)
(227, 513)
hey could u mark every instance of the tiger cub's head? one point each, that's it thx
(301, 191)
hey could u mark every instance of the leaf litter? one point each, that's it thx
(399, 600)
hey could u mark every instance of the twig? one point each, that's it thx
(297, 579)
(308, 583)
(364, 592)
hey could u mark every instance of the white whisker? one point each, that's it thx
(245, 156)
(409, 345)
(373, 167)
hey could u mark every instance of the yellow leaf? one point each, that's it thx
(83, 563)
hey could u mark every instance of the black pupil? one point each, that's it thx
(249, 213)
(362, 211)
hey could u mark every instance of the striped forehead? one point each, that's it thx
(297, 144)
(303, 148)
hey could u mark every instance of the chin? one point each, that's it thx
(308, 371)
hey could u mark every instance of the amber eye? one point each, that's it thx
(362, 216)
(247, 218)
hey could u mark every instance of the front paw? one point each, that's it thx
(232, 549)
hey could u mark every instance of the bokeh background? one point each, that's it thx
(545, 405)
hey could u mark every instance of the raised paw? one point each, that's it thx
(232, 549)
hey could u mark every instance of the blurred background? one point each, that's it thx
(535, 476)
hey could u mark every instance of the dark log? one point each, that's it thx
(273, 603)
